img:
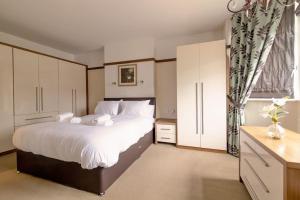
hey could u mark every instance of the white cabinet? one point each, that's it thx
(35, 87)
(165, 130)
(6, 98)
(72, 88)
(201, 95)
(263, 174)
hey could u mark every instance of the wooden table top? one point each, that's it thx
(286, 150)
(166, 121)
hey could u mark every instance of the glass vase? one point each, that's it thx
(275, 131)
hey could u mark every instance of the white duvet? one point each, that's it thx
(90, 146)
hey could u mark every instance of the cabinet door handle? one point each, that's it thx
(197, 108)
(202, 110)
(165, 138)
(72, 101)
(42, 99)
(35, 118)
(36, 99)
(258, 178)
(257, 154)
(75, 108)
(165, 129)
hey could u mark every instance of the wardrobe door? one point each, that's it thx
(6, 99)
(213, 95)
(188, 95)
(48, 79)
(66, 87)
(26, 82)
(79, 73)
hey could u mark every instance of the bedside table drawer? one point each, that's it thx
(166, 137)
(168, 129)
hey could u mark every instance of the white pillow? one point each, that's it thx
(133, 107)
(148, 111)
(107, 107)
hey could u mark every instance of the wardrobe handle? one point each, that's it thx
(72, 101)
(75, 108)
(36, 99)
(202, 111)
(197, 108)
(42, 99)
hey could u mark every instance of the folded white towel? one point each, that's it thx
(64, 117)
(102, 119)
(75, 120)
(108, 123)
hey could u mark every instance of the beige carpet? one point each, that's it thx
(162, 173)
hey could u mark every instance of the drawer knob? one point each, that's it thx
(165, 129)
(165, 138)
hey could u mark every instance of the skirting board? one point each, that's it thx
(7, 152)
(201, 149)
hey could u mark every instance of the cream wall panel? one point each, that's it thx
(6, 99)
(145, 72)
(26, 82)
(253, 114)
(96, 88)
(165, 90)
(48, 79)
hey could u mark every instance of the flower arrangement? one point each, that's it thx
(275, 111)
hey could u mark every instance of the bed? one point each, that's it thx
(95, 180)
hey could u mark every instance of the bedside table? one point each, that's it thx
(165, 130)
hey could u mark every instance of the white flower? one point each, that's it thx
(265, 115)
(268, 108)
(279, 102)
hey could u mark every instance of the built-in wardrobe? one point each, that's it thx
(201, 95)
(35, 88)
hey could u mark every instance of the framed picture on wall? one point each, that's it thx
(127, 75)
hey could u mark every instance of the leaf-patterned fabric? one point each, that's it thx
(253, 34)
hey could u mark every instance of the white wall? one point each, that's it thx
(129, 50)
(166, 48)
(145, 73)
(20, 42)
(92, 58)
(254, 108)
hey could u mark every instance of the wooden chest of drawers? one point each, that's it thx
(270, 169)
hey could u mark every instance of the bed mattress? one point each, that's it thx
(90, 146)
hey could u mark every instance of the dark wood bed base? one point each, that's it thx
(97, 180)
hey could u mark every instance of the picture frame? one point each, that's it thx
(127, 75)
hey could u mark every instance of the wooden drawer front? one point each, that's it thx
(264, 167)
(164, 128)
(22, 120)
(166, 137)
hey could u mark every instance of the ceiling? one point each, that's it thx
(77, 26)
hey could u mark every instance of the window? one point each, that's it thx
(279, 77)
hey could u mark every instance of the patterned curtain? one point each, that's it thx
(253, 34)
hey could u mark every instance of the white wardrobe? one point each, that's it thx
(72, 83)
(201, 95)
(35, 88)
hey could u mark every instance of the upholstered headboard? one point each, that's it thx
(152, 100)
